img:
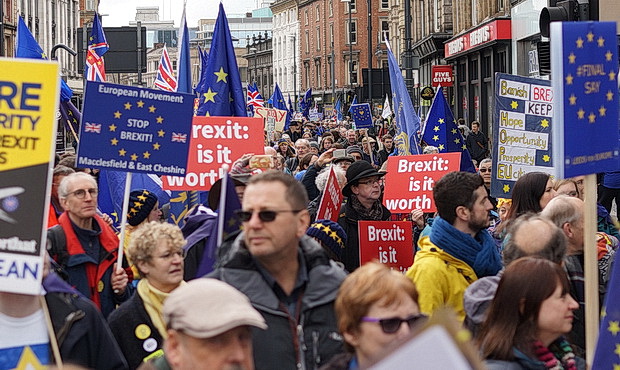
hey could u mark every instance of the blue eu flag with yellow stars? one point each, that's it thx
(361, 115)
(441, 131)
(607, 353)
(277, 101)
(222, 93)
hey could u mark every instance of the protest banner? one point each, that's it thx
(216, 141)
(410, 180)
(389, 242)
(29, 95)
(522, 130)
(278, 116)
(132, 129)
(331, 200)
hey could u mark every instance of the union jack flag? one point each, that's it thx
(97, 46)
(92, 127)
(181, 138)
(165, 79)
(255, 99)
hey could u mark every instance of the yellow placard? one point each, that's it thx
(29, 94)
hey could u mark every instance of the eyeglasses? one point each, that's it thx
(392, 324)
(264, 216)
(482, 170)
(370, 182)
(81, 193)
(171, 254)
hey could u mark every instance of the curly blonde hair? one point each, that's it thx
(144, 240)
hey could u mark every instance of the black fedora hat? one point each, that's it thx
(357, 171)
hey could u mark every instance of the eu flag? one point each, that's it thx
(202, 79)
(338, 110)
(407, 121)
(361, 115)
(71, 117)
(222, 94)
(94, 69)
(184, 64)
(229, 224)
(354, 102)
(608, 346)
(441, 131)
(27, 47)
(277, 100)
(306, 103)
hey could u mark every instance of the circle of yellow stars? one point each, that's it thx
(159, 119)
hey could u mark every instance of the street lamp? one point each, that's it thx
(294, 70)
(350, 46)
(369, 81)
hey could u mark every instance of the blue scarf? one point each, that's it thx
(481, 255)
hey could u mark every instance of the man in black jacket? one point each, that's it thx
(477, 143)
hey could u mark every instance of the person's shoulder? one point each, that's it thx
(126, 310)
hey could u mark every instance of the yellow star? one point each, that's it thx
(456, 141)
(610, 95)
(579, 43)
(127, 106)
(613, 328)
(114, 141)
(464, 147)
(441, 120)
(612, 76)
(608, 56)
(152, 109)
(137, 204)
(209, 96)
(221, 75)
(580, 113)
(601, 42)
(546, 158)
(140, 104)
(29, 360)
(161, 133)
(602, 110)
(156, 146)
(569, 79)
(134, 157)
(453, 131)
(617, 351)
(506, 188)
(590, 36)
(592, 117)
(572, 99)
(146, 155)
(112, 127)
(122, 152)
(441, 147)
(514, 104)
(142, 197)
(571, 58)
(207, 114)
(160, 119)
(436, 128)
(544, 123)
(436, 138)
(117, 114)
(616, 366)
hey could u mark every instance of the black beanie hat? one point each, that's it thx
(141, 203)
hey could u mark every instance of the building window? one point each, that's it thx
(318, 13)
(384, 33)
(331, 34)
(473, 70)
(352, 34)
(331, 7)
(354, 74)
(474, 12)
(317, 71)
(385, 4)
(307, 74)
(348, 5)
(486, 66)
(318, 38)
(307, 35)
(90, 5)
(500, 62)
(306, 16)
(437, 11)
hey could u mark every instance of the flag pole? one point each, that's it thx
(119, 260)
(590, 269)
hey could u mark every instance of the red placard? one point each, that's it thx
(442, 75)
(216, 141)
(410, 180)
(331, 200)
(389, 242)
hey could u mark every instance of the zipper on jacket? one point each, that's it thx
(302, 347)
(315, 349)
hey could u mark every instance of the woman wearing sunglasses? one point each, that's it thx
(528, 318)
(376, 307)
(138, 324)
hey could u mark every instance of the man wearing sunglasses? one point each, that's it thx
(86, 247)
(286, 275)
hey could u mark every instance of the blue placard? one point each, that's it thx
(584, 57)
(523, 123)
(131, 129)
(361, 115)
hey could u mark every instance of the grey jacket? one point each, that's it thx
(477, 299)
(287, 344)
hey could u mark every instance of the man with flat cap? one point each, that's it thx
(209, 325)
(363, 189)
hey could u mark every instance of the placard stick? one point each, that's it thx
(121, 245)
(50, 332)
(590, 268)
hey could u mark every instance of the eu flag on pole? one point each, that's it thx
(407, 121)
(94, 70)
(361, 115)
(277, 100)
(608, 345)
(231, 224)
(354, 102)
(338, 110)
(223, 92)
(71, 117)
(306, 103)
(441, 131)
(202, 79)
(184, 66)
(27, 47)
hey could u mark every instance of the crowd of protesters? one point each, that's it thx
(286, 291)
